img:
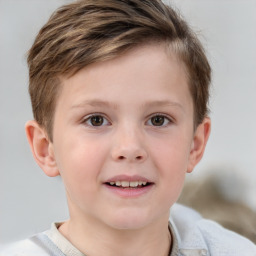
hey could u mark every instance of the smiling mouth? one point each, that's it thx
(128, 184)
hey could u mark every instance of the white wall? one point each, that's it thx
(30, 201)
(228, 29)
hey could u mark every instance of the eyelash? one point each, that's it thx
(166, 119)
(88, 120)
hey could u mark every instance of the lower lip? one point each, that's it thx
(129, 192)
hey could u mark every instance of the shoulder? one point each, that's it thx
(22, 248)
(194, 231)
(220, 239)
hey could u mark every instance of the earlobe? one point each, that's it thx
(200, 139)
(42, 148)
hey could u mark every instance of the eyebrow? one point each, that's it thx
(107, 104)
(95, 103)
(162, 103)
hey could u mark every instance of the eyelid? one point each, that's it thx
(161, 114)
(87, 118)
(170, 119)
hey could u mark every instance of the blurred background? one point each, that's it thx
(222, 186)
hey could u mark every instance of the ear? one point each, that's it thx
(42, 148)
(200, 139)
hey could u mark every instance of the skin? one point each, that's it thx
(144, 116)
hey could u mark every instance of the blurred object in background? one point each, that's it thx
(212, 198)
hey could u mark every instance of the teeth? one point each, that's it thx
(127, 184)
(134, 184)
(118, 183)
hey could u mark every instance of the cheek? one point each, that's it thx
(171, 159)
(172, 167)
(79, 163)
(171, 154)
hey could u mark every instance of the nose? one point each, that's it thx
(128, 146)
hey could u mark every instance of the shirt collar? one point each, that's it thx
(189, 239)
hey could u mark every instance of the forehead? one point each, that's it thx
(151, 71)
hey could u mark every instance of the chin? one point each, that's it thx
(128, 221)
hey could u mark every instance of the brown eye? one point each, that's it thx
(96, 120)
(158, 120)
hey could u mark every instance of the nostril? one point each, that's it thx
(129, 154)
(137, 157)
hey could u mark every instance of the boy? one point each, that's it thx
(119, 92)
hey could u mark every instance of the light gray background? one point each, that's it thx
(30, 201)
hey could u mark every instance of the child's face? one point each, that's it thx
(127, 120)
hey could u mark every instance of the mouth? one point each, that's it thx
(128, 184)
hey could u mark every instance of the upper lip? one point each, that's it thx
(128, 178)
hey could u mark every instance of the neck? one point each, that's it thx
(97, 239)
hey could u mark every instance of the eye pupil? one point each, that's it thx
(97, 120)
(157, 120)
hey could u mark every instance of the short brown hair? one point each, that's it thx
(90, 31)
